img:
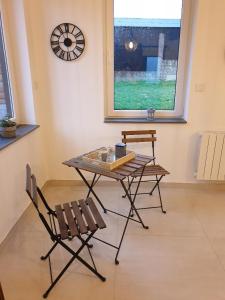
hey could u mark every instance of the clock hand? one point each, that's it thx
(63, 42)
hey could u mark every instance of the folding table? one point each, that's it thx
(120, 174)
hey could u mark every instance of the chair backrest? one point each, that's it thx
(1, 293)
(139, 136)
(34, 193)
(31, 187)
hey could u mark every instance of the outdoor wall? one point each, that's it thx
(168, 70)
(148, 43)
(70, 95)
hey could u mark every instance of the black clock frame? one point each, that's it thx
(67, 41)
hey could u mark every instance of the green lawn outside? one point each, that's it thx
(141, 95)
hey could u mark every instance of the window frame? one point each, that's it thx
(5, 73)
(182, 70)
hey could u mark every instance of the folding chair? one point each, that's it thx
(141, 136)
(1, 293)
(66, 222)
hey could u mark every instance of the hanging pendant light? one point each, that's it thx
(131, 45)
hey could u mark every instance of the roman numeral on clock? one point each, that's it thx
(54, 43)
(80, 42)
(75, 56)
(60, 29)
(73, 29)
(54, 34)
(79, 48)
(56, 49)
(78, 34)
(68, 56)
(66, 27)
(61, 55)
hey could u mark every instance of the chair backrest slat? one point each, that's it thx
(33, 192)
(138, 140)
(140, 136)
(31, 187)
(138, 132)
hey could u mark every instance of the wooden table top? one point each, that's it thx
(118, 173)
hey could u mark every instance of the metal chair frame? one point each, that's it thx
(158, 177)
(1, 293)
(33, 192)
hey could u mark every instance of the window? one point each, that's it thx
(146, 57)
(5, 92)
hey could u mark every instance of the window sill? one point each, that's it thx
(145, 120)
(21, 131)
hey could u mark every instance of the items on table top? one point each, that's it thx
(120, 150)
(107, 158)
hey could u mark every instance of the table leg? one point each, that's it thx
(91, 190)
(132, 208)
(93, 183)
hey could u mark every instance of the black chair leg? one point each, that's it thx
(159, 192)
(82, 240)
(43, 257)
(160, 198)
(154, 187)
(75, 255)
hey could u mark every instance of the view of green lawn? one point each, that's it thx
(141, 95)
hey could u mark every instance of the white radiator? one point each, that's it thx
(211, 163)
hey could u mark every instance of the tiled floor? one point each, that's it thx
(181, 256)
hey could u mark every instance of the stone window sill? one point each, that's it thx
(21, 131)
(144, 120)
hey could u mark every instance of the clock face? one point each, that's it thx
(67, 41)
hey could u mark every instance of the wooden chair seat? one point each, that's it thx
(151, 170)
(78, 217)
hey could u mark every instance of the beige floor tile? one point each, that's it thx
(183, 290)
(180, 257)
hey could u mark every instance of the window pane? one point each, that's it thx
(5, 93)
(3, 107)
(146, 48)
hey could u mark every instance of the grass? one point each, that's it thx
(141, 95)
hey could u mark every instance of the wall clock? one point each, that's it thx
(67, 41)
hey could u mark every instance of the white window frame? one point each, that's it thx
(5, 70)
(182, 72)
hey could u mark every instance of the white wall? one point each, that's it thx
(13, 159)
(29, 149)
(70, 95)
